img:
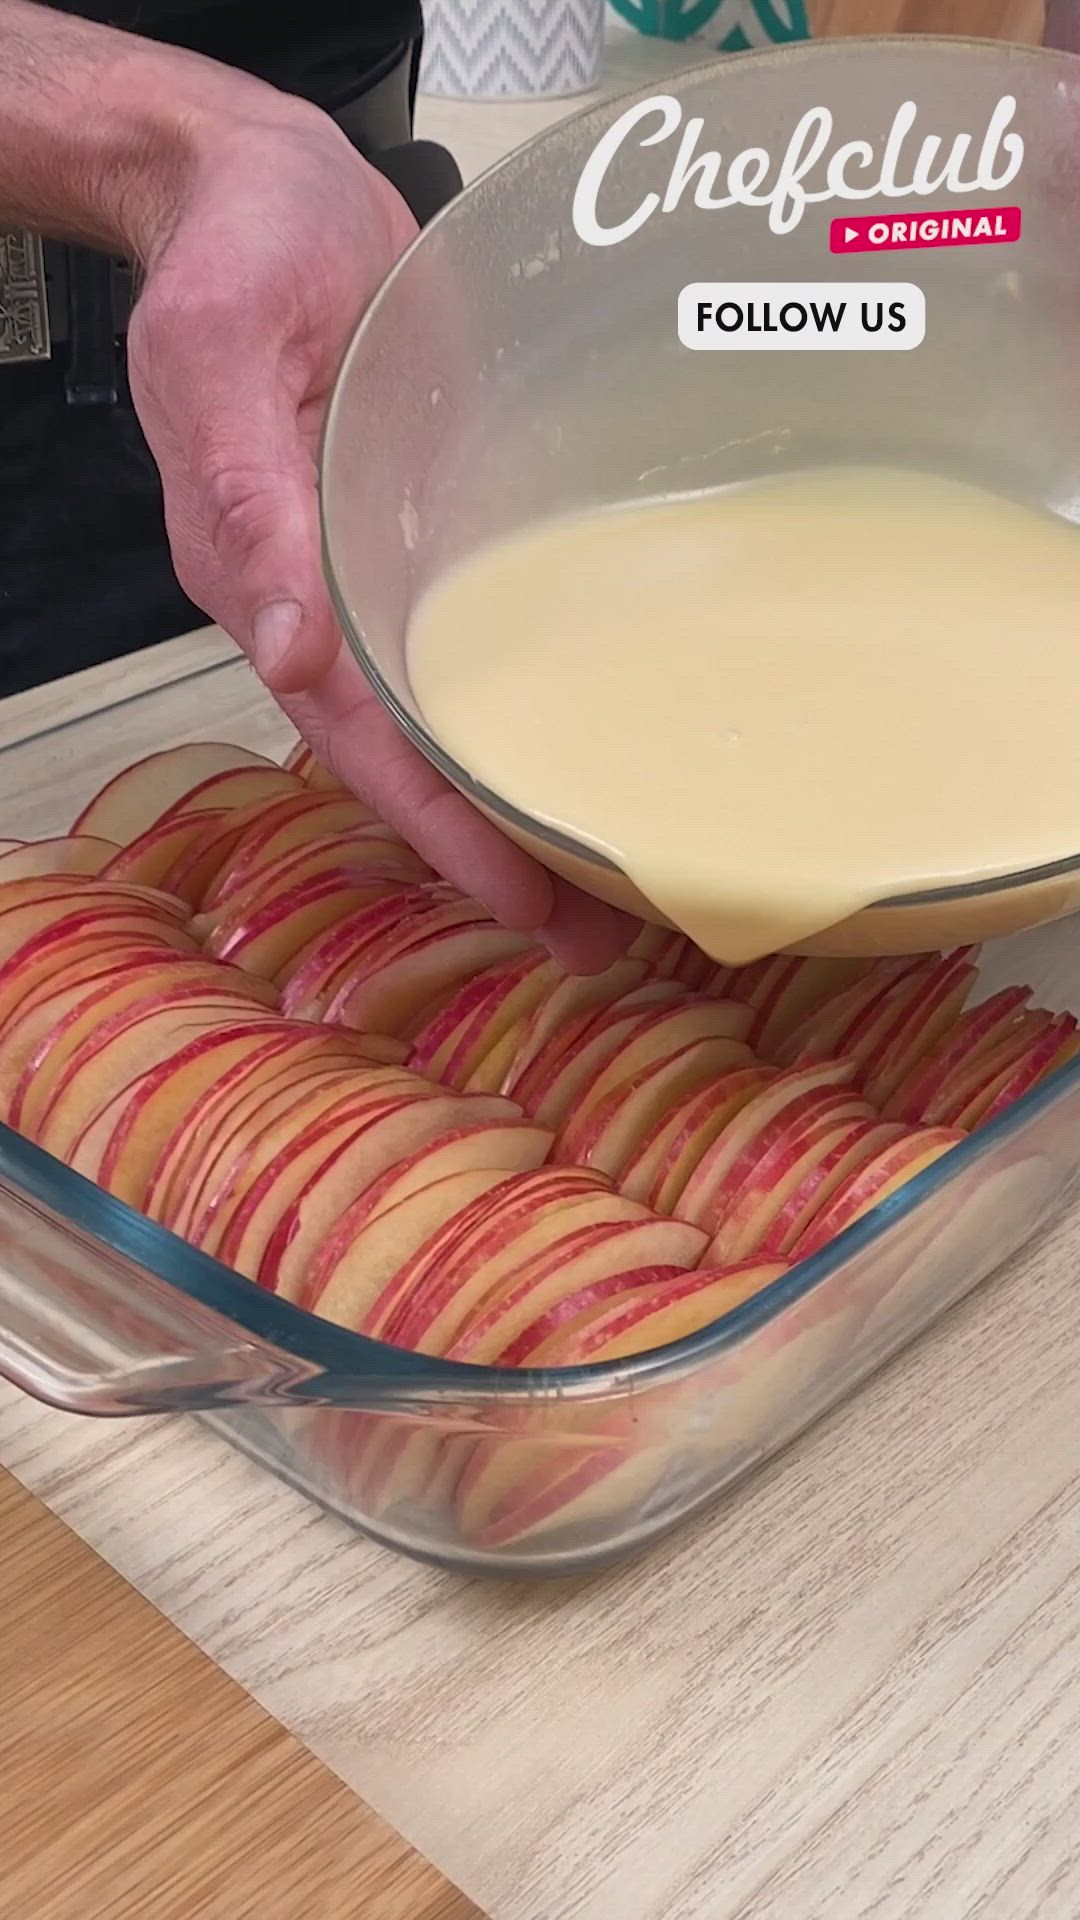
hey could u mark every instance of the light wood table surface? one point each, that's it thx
(851, 1693)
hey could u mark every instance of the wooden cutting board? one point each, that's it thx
(138, 1782)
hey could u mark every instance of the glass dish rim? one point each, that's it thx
(343, 1358)
(558, 838)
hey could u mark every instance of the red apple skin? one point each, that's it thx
(492, 1220)
(312, 986)
(750, 1210)
(1019, 1078)
(463, 1031)
(861, 1142)
(878, 1177)
(823, 1033)
(157, 781)
(796, 1095)
(977, 1028)
(658, 1173)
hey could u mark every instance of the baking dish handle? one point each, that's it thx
(89, 1326)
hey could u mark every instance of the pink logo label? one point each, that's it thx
(970, 227)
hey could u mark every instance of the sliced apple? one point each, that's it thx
(859, 1142)
(132, 800)
(480, 1271)
(292, 1059)
(531, 1073)
(303, 1224)
(150, 857)
(331, 958)
(333, 1164)
(356, 1265)
(72, 853)
(823, 1032)
(978, 1030)
(618, 1050)
(136, 1041)
(916, 1032)
(393, 987)
(499, 1216)
(786, 1100)
(795, 1159)
(874, 1182)
(235, 787)
(478, 1016)
(517, 1490)
(572, 999)
(657, 1173)
(490, 1328)
(787, 990)
(1018, 1078)
(119, 1145)
(611, 1122)
(266, 940)
(290, 823)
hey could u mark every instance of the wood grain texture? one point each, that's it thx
(139, 1781)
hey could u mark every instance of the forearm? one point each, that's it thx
(100, 130)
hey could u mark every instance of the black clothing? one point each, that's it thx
(85, 573)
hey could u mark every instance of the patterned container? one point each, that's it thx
(732, 26)
(511, 49)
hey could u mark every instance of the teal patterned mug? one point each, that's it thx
(732, 26)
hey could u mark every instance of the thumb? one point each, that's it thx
(262, 520)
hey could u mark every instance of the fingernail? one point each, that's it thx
(273, 631)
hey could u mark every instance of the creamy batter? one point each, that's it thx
(777, 704)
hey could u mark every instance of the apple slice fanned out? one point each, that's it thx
(410, 969)
(512, 1491)
(1008, 1081)
(657, 1173)
(927, 1017)
(149, 859)
(169, 981)
(573, 1265)
(135, 1042)
(483, 1269)
(628, 1040)
(785, 989)
(518, 1203)
(979, 1030)
(72, 853)
(477, 1018)
(349, 855)
(823, 1032)
(858, 1142)
(313, 1183)
(980, 1069)
(874, 1181)
(291, 1060)
(49, 1026)
(132, 800)
(785, 1101)
(355, 1264)
(330, 959)
(813, 1157)
(356, 1134)
(923, 996)
(611, 1122)
(533, 1068)
(286, 827)
(304, 1223)
(269, 939)
(567, 1004)
(125, 1119)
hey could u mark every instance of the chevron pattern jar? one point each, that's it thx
(732, 26)
(511, 49)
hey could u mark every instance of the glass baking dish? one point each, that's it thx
(495, 1472)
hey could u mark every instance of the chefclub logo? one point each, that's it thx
(910, 165)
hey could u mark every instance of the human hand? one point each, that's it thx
(255, 280)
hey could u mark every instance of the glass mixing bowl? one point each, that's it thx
(507, 372)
